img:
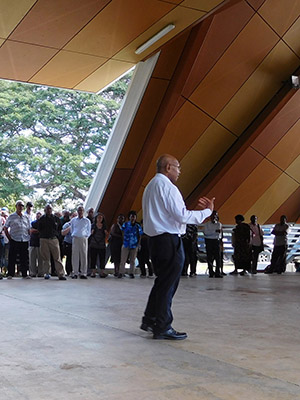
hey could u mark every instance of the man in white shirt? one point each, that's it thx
(80, 228)
(17, 229)
(165, 217)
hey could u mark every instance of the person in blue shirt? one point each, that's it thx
(132, 233)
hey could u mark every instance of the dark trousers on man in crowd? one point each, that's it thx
(21, 249)
(213, 253)
(167, 256)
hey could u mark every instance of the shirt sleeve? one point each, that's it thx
(177, 209)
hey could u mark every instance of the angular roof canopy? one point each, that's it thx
(219, 98)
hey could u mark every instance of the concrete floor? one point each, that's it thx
(81, 340)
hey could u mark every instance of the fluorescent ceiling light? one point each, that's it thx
(154, 38)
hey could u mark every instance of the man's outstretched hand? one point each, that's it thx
(205, 202)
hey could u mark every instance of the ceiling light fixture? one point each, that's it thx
(154, 38)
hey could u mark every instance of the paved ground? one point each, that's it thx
(81, 340)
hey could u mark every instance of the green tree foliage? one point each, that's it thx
(51, 140)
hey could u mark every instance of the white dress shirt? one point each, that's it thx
(19, 227)
(164, 210)
(80, 227)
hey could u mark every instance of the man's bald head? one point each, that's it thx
(163, 161)
(169, 166)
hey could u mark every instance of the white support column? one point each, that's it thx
(120, 131)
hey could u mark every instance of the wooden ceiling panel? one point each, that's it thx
(180, 17)
(67, 69)
(236, 65)
(216, 34)
(256, 3)
(293, 170)
(12, 11)
(204, 5)
(249, 191)
(117, 25)
(287, 149)
(257, 91)
(184, 130)
(280, 14)
(45, 26)
(142, 123)
(279, 125)
(19, 61)
(292, 37)
(272, 198)
(230, 178)
(203, 155)
(290, 208)
(103, 76)
(168, 60)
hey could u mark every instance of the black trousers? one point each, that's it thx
(255, 253)
(16, 248)
(67, 251)
(95, 252)
(190, 252)
(213, 253)
(278, 260)
(167, 255)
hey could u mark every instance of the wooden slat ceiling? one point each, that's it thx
(223, 105)
(219, 98)
(87, 44)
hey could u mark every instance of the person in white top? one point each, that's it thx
(165, 217)
(17, 229)
(212, 235)
(257, 242)
(80, 228)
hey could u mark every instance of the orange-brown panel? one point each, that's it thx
(204, 154)
(287, 149)
(182, 18)
(183, 130)
(280, 14)
(142, 123)
(273, 198)
(12, 12)
(293, 170)
(290, 208)
(257, 91)
(279, 125)
(169, 57)
(114, 193)
(19, 61)
(230, 178)
(172, 1)
(205, 5)
(67, 69)
(104, 75)
(236, 65)
(53, 23)
(256, 3)
(292, 37)
(117, 25)
(249, 190)
(2, 41)
(216, 33)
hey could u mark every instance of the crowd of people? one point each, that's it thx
(35, 245)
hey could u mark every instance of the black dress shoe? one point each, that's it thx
(147, 327)
(62, 278)
(170, 334)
